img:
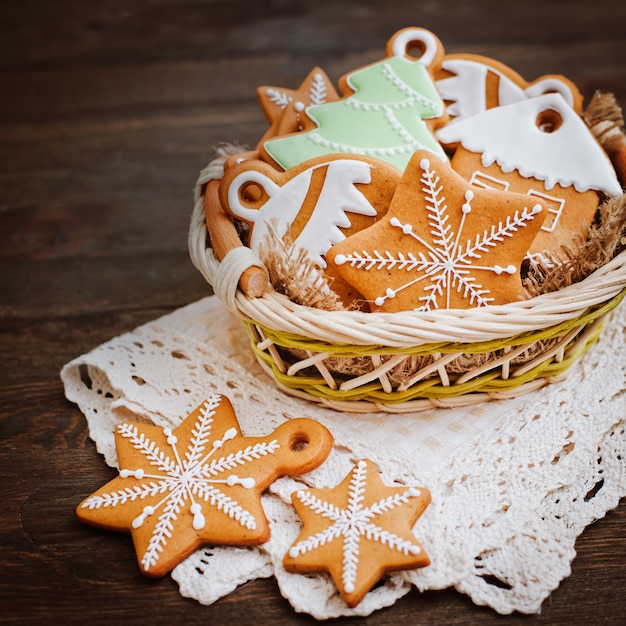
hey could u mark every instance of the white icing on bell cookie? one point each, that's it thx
(337, 198)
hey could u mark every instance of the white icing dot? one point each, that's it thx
(139, 520)
(537, 209)
(424, 164)
(167, 432)
(247, 483)
(509, 269)
(139, 473)
(469, 195)
(414, 492)
(299, 107)
(379, 301)
(394, 221)
(348, 588)
(293, 553)
(414, 550)
(231, 433)
(340, 259)
(407, 228)
(125, 473)
(199, 520)
(172, 439)
(390, 293)
(362, 465)
(300, 494)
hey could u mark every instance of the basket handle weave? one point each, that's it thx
(224, 240)
(232, 267)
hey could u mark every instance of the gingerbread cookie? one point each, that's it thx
(313, 205)
(444, 243)
(471, 84)
(283, 107)
(381, 113)
(358, 531)
(198, 483)
(538, 146)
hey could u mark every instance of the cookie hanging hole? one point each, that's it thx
(299, 442)
(415, 49)
(548, 121)
(252, 194)
(416, 44)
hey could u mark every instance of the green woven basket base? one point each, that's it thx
(488, 383)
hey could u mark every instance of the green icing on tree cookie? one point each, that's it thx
(383, 118)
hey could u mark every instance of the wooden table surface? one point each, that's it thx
(108, 109)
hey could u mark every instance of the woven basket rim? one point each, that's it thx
(401, 329)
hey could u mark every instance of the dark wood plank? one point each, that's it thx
(108, 111)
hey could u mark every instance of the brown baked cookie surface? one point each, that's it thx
(199, 483)
(444, 243)
(358, 531)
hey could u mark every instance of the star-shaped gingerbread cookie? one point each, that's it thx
(444, 243)
(358, 531)
(285, 108)
(199, 483)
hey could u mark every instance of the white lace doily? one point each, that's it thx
(513, 483)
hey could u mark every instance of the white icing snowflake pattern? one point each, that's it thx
(448, 262)
(317, 94)
(277, 97)
(196, 479)
(353, 523)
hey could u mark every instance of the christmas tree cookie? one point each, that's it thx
(382, 111)
(444, 243)
(358, 531)
(198, 483)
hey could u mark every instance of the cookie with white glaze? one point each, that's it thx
(444, 243)
(199, 483)
(540, 147)
(358, 531)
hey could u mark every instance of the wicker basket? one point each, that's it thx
(409, 361)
